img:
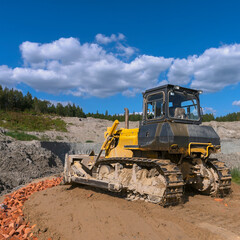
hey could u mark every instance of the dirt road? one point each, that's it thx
(65, 212)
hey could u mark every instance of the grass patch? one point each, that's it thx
(235, 172)
(59, 138)
(22, 136)
(22, 121)
(44, 138)
(89, 141)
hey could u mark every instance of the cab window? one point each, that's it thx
(183, 105)
(155, 106)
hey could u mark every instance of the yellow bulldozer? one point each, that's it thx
(169, 150)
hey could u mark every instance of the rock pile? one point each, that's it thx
(21, 162)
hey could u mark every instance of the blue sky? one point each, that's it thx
(103, 54)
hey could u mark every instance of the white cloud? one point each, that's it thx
(6, 76)
(102, 39)
(126, 51)
(131, 92)
(37, 55)
(215, 69)
(69, 67)
(55, 102)
(236, 103)
(209, 110)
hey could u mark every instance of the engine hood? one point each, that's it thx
(159, 136)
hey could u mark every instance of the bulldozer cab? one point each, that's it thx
(171, 103)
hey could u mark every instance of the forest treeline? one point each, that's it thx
(119, 117)
(14, 100)
(227, 118)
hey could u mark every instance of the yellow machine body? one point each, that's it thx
(124, 137)
(116, 145)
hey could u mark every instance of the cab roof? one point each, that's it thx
(169, 87)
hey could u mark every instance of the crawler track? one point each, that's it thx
(224, 175)
(173, 176)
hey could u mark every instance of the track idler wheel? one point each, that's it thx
(206, 179)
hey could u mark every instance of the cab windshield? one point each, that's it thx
(155, 106)
(183, 105)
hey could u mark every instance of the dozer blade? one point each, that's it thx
(113, 187)
(78, 168)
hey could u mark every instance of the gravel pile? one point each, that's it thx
(21, 162)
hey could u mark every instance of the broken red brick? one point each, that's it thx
(20, 229)
(13, 225)
(33, 226)
(11, 232)
(28, 230)
(19, 221)
(11, 214)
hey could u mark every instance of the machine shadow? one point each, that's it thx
(121, 195)
(189, 192)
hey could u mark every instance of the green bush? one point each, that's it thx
(21, 136)
(22, 121)
(59, 138)
(235, 172)
(231, 117)
(208, 117)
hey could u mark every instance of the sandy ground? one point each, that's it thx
(82, 130)
(226, 130)
(66, 212)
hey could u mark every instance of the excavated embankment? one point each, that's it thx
(21, 162)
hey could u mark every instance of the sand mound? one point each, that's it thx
(65, 212)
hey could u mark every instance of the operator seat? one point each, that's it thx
(179, 113)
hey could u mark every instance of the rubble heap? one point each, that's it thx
(12, 223)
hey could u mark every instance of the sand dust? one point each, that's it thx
(65, 212)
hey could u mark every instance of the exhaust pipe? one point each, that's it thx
(126, 118)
